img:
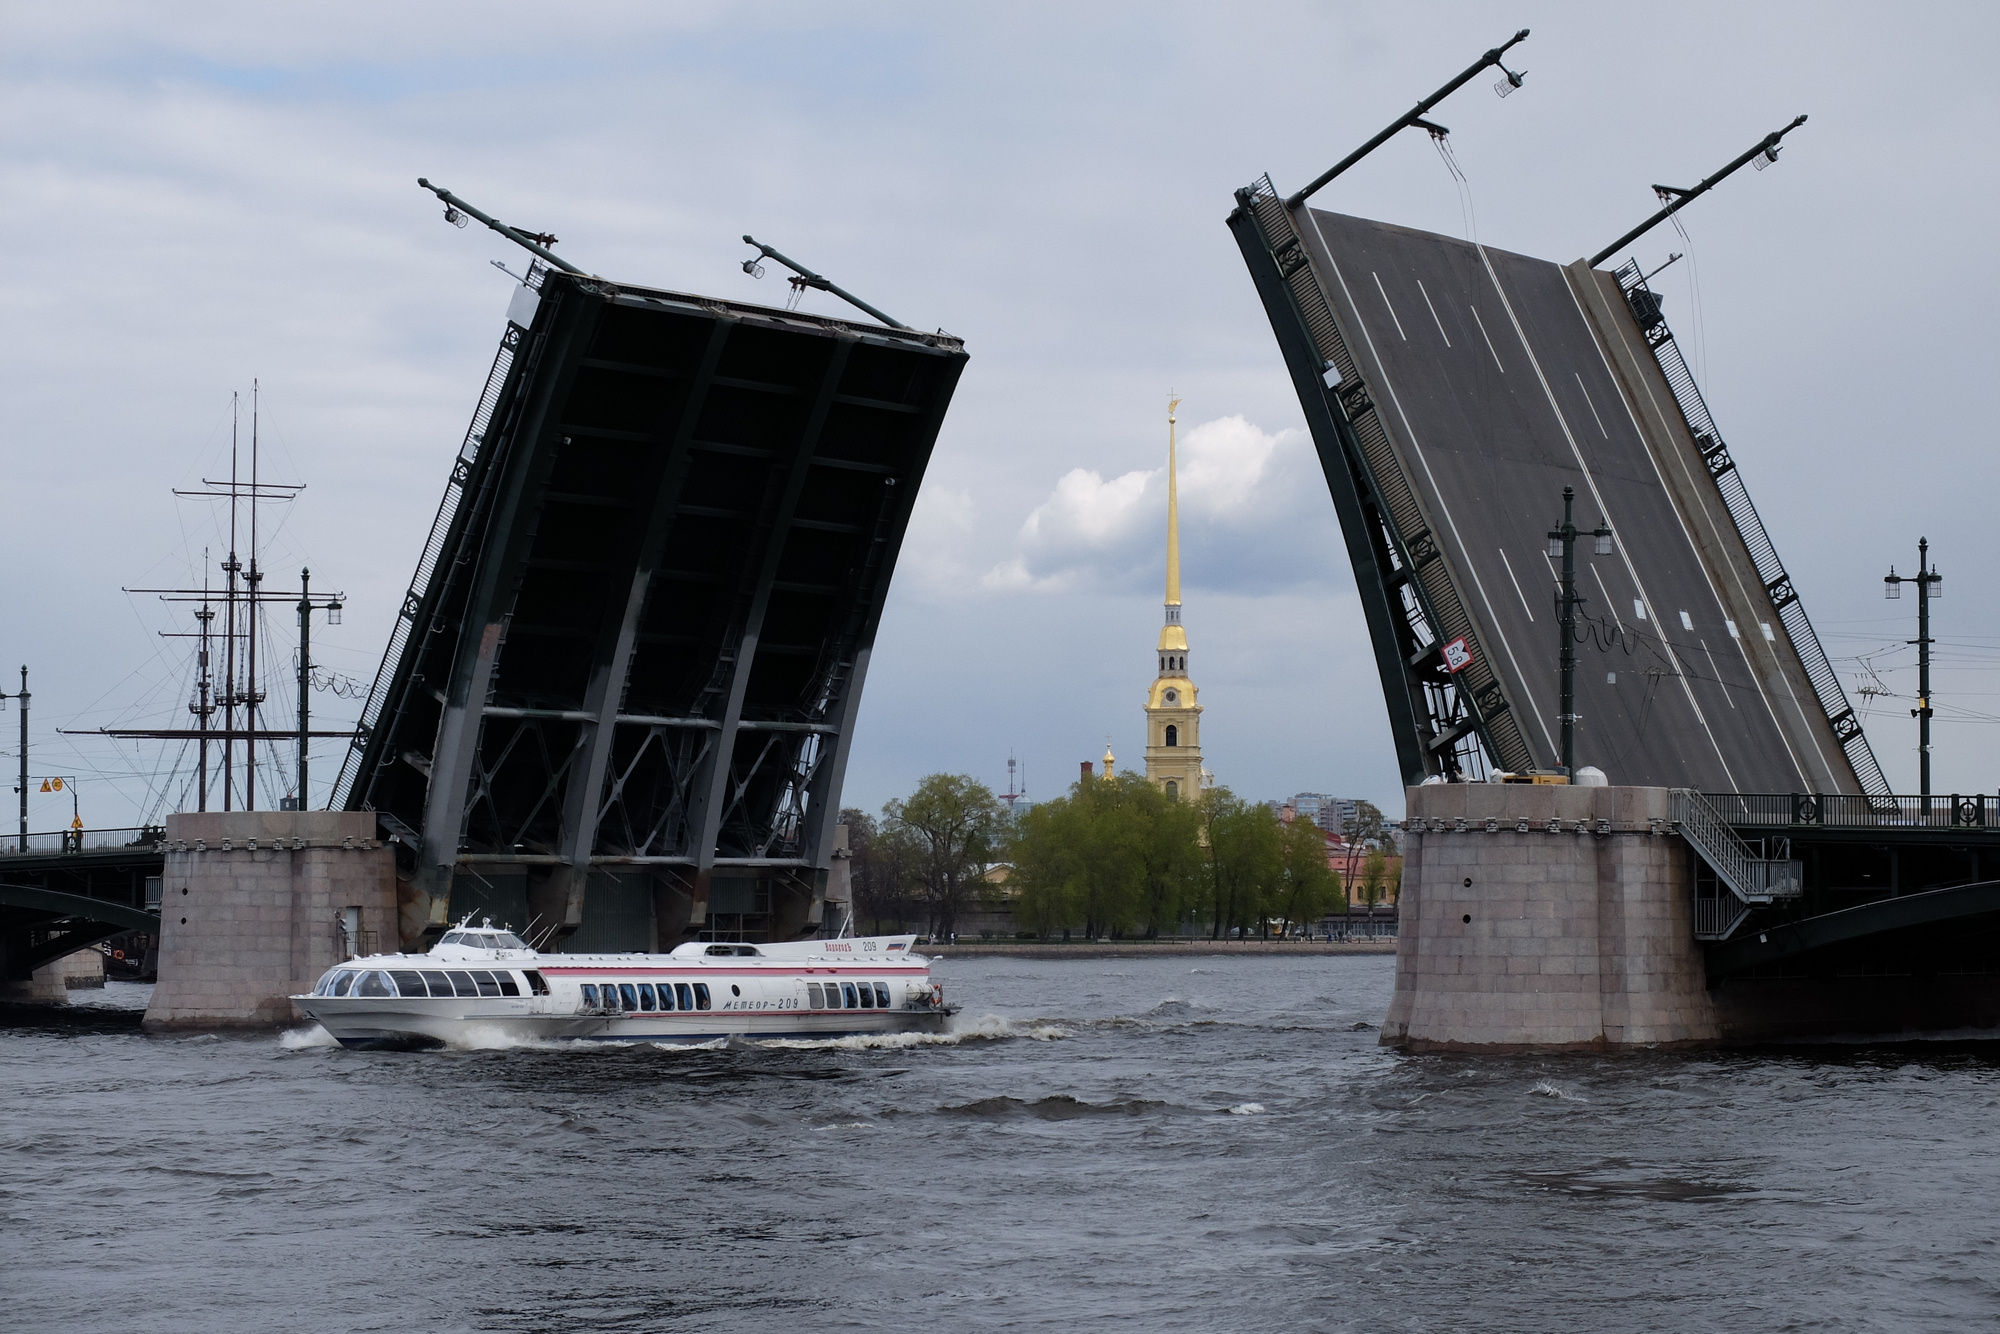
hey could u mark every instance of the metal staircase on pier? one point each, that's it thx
(1750, 880)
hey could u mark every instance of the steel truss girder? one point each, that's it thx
(520, 726)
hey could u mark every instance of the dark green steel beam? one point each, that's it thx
(60, 905)
(1931, 908)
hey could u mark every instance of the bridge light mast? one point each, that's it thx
(1930, 584)
(1763, 153)
(1562, 544)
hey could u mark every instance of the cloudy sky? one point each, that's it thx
(199, 196)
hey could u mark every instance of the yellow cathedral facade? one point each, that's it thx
(1173, 719)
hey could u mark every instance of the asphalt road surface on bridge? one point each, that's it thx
(1498, 387)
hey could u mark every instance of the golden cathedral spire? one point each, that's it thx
(1173, 719)
(1173, 519)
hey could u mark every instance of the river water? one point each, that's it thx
(1154, 1144)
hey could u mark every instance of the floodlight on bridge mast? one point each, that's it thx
(456, 211)
(1763, 153)
(807, 278)
(1415, 115)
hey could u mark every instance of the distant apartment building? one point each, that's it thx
(1333, 814)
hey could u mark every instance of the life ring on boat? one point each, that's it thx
(937, 995)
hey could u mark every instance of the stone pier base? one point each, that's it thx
(52, 982)
(257, 904)
(1518, 938)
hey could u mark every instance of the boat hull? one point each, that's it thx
(396, 1024)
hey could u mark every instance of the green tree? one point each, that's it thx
(1308, 888)
(1108, 857)
(882, 870)
(1374, 878)
(953, 821)
(1245, 859)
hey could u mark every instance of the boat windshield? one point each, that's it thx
(507, 940)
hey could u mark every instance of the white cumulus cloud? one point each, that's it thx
(1254, 513)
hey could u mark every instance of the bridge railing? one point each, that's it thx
(1752, 878)
(1750, 526)
(1836, 811)
(79, 840)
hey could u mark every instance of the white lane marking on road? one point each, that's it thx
(1610, 603)
(1587, 403)
(1488, 337)
(1756, 678)
(1434, 314)
(1718, 673)
(1385, 301)
(1517, 583)
(1471, 568)
(1590, 480)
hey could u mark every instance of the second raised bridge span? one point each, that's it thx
(1453, 391)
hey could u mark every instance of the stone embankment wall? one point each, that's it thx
(255, 907)
(1546, 918)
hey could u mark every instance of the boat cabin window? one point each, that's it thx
(814, 999)
(700, 995)
(847, 990)
(666, 995)
(646, 996)
(537, 984)
(589, 995)
(463, 984)
(487, 984)
(453, 938)
(629, 994)
(374, 982)
(881, 995)
(326, 980)
(684, 996)
(507, 940)
(410, 983)
(508, 986)
(343, 982)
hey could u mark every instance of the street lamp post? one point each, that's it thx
(23, 789)
(1930, 584)
(306, 607)
(1562, 545)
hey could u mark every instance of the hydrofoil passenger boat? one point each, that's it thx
(481, 982)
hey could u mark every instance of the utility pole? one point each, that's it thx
(1562, 544)
(23, 789)
(306, 606)
(1930, 584)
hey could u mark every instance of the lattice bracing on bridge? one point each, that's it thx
(636, 641)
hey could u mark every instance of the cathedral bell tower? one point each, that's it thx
(1173, 719)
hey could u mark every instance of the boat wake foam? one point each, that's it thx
(986, 1028)
(305, 1039)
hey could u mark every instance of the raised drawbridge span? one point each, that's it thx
(1453, 390)
(621, 691)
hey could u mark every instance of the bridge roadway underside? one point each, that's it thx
(1500, 379)
(622, 697)
(52, 904)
